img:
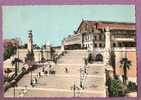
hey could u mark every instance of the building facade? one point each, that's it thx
(91, 35)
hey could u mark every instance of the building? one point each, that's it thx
(91, 35)
(21, 53)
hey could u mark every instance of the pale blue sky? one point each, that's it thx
(53, 23)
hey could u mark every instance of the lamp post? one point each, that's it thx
(31, 77)
(29, 60)
(14, 90)
(17, 62)
(74, 88)
(81, 76)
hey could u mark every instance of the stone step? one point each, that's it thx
(94, 83)
(69, 62)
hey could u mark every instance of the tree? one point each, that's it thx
(125, 64)
(15, 62)
(35, 46)
(9, 51)
(25, 46)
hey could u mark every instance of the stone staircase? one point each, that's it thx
(94, 81)
(73, 57)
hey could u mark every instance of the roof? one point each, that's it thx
(103, 24)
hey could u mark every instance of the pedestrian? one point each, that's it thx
(66, 70)
(39, 74)
(36, 80)
(46, 72)
(33, 83)
(43, 69)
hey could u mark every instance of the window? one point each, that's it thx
(100, 37)
(120, 45)
(114, 44)
(86, 38)
(95, 45)
(95, 38)
(103, 37)
(100, 45)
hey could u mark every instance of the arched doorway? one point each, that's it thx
(99, 57)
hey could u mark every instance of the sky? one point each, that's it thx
(54, 22)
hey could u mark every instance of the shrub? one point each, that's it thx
(116, 88)
(132, 87)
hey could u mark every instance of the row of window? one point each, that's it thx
(102, 45)
(124, 44)
(96, 37)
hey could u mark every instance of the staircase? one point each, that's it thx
(73, 57)
(94, 81)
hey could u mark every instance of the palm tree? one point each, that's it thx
(15, 62)
(125, 64)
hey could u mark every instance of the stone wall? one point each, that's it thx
(119, 54)
(37, 54)
(131, 55)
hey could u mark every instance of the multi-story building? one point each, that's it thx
(91, 35)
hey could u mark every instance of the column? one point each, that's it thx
(62, 46)
(48, 49)
(30, 41)
(107, 54)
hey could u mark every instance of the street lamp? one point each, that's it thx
(74, 88)
(14, 90)
(81, 76)
(29, 60)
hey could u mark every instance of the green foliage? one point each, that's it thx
(132, 87)
(116, 88)
(9, 51)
